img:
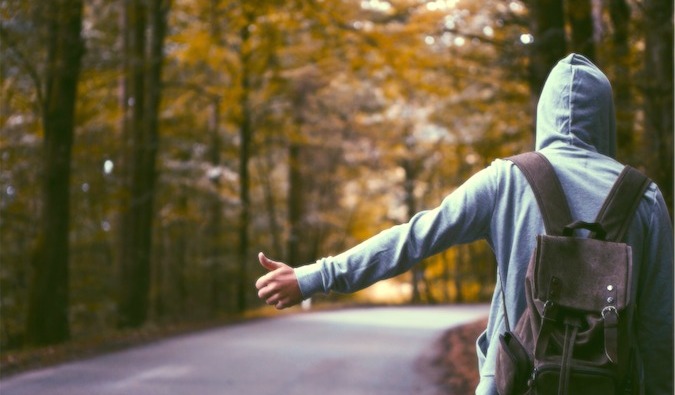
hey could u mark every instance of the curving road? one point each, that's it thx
(358, 351)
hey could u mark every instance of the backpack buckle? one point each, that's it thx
(610, 317)
(609, 310)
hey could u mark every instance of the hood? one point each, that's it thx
(576, 108)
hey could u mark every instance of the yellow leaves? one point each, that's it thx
(198, 47)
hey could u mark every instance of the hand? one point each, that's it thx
(279, 287)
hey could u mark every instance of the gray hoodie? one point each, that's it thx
(576, 132)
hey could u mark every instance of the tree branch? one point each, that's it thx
(25, 64)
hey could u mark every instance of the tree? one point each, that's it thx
(142, 130)
(47, 321)
(547, 25)
(658, 92)
(245, 138)
(580, 18)
(619, 12)
(303, 88)
(299, 126)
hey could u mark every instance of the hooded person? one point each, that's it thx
(575, 131)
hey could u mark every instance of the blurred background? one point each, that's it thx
(151, 148)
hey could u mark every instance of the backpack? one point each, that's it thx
(576, 333)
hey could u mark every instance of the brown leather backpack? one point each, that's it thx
(575, 336)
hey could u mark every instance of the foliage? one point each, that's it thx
(361, 112)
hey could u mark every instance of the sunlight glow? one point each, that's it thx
(376, 5)
(108, 166)
(363, 25)
(441, 5)
(516, 7)
(526, 38)
(446, 39)
(388, 291)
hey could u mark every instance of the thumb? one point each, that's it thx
(268, 263)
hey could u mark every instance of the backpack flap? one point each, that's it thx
(586, 275)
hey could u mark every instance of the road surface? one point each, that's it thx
(352, 352)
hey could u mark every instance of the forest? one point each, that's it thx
(151, 148)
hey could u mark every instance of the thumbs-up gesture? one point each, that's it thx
(279, 287)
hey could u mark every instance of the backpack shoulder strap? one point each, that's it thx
(547, 189)
(550, 198)
(619, 207)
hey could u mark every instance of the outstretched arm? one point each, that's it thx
(463, 216)
(279, 287)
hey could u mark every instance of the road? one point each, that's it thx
(352, 352)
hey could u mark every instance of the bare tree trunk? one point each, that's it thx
(300, 245)
(47, 321)
(158, 10)
(619, 12)
(130, 312)
(411, 203)
(126, 148)
(459, 267)
(179, 243)
(428, 284)
(295, 192)
(245, 137)
(659, 94)
(275, 231)
(144, 98)
(160, 275)
(446, 277)
(580, 15)
(215, 231)
(547, 25)
(215, 220)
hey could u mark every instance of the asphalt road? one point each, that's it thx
(352, 352)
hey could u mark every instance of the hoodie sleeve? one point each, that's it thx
(655, 302)
(463, 216)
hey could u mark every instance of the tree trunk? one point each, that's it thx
(295, 191)
(446, 277)
(47, 321)
(659, 94)
(619, 12)
(548, 28)
(580, 16)
(245, 136)
(275, 232)
(130, 312)
(179, 241)
(428, 284)
(158, 12)
(144, 90)
(300, 245)
(457, 276)
(215, 220)
(409, 190)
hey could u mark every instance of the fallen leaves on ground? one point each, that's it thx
(455, 361)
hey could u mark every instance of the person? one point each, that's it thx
(575, 130)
